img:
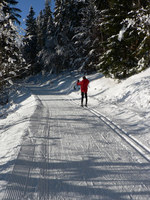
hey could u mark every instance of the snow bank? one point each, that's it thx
(134, 91)
(126, 103)
(14, 124)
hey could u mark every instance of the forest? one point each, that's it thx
(108, 36)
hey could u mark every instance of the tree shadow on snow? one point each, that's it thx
(84, 179)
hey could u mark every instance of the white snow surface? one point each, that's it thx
(125, 103)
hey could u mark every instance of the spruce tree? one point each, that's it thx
(11, 60)
(46, 38)
(138, 34)
(10, 55)
(123, 45)
(73, 26)
(30, 41)
(13, 11)
(63, 52)
(40, 38)
(102, 4)
(47, 16)
(85, 35)
(117, 60)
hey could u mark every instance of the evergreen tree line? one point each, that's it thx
(11, 57)
(124, 27)
(60, 40)
(12, 63)
(110, 36)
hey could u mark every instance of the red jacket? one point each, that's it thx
(84, 85)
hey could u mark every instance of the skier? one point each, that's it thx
(84, 87)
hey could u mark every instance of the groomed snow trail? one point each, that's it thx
(71, 154)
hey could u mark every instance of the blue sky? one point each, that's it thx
(25, 5)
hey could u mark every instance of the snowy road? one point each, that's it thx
(71, 154)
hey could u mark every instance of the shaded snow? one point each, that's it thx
(126, 103)
(14, 122)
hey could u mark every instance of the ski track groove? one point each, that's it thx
(135, 143)
(58, 162)
(22, 176)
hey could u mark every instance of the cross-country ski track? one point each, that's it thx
(75, 153)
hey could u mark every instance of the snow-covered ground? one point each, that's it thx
(14, 122)
(126, 104)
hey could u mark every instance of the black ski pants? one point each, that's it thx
(84, 94)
